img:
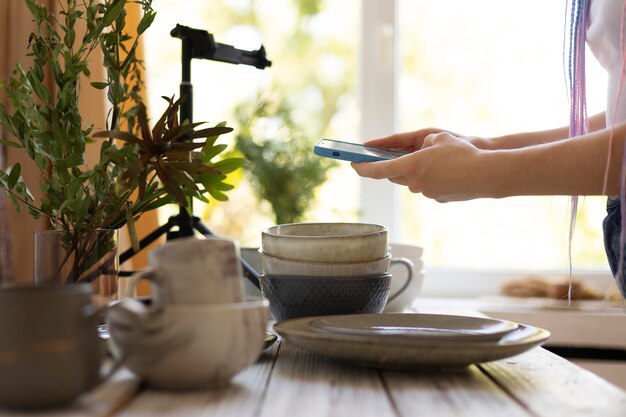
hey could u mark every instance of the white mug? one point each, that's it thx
(408, 296)
(193, 271)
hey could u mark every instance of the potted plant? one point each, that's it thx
(145, 169)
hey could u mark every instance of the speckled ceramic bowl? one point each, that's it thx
(326, 242)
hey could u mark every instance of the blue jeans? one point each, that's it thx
(612, 226)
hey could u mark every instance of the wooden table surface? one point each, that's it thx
(290, 382)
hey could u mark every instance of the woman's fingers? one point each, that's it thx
(387, 169)
(407, 141)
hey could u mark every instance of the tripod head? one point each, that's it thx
(203, 46)
(198, 43)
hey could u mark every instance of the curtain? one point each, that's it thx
(16, 244)
(17, 229)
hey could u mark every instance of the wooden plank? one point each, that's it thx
(305, 384)
(240, 399)
(462, 392)
(103, 401)
(551, 386)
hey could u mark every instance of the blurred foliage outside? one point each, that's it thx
(281, 168)
(484, 77)
(308, 93)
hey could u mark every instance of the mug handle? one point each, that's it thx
(154, 276)
(409, 268)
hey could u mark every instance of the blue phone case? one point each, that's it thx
(354, 152)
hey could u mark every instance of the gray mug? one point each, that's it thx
(50, 350)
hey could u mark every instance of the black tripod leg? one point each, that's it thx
(248, 271)
(154, 235)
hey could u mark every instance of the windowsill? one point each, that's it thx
(469, 283)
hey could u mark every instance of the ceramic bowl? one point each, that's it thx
(326, 242)
(292, 297)
(273, 265)
(189, 346)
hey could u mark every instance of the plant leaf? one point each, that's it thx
(132, 231)
(14, 176)
(112, 12)
(99, 85)
(146, 21)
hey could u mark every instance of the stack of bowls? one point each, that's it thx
(312, 269)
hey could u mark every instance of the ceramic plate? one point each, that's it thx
(374, 351)
(415, 327)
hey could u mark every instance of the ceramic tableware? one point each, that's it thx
(191, 346)
(374, 352)
(416, 327)
(270, 339)
(50, 351)
(292, 297)
(273, 265)
(398, 272)
(193, 271)
(326, 242)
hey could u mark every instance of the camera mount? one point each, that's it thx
(199, 44)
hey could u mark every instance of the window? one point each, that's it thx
(479, 67)
(314, 48)
(485, 68)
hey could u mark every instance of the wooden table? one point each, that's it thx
(287, 381)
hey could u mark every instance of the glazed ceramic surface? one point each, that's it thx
(326, 242)
(194, 271)
(372, 351)
(273, 265)
(398, 272)
(416, 327)
(190, 346)
(292, 297)
(50, 352)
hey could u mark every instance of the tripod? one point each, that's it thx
(197, 43)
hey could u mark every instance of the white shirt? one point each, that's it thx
(603, 37)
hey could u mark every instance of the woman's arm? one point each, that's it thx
(412, 141)
(521, 140)
(448, 168)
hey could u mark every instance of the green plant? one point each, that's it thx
(282, 168)
(48, 126)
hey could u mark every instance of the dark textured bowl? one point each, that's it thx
(292, 297)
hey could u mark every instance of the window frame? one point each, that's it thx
(380, 201)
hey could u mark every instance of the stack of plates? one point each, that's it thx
(411, 340)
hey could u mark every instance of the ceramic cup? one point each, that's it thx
(292, 297)
(326, 242)
(193, 271)
(182, 347)
(50, 351)
(412, 291)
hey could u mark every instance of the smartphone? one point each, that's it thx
(354, 152)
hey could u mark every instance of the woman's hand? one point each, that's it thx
(412, 141)
(441, 166)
